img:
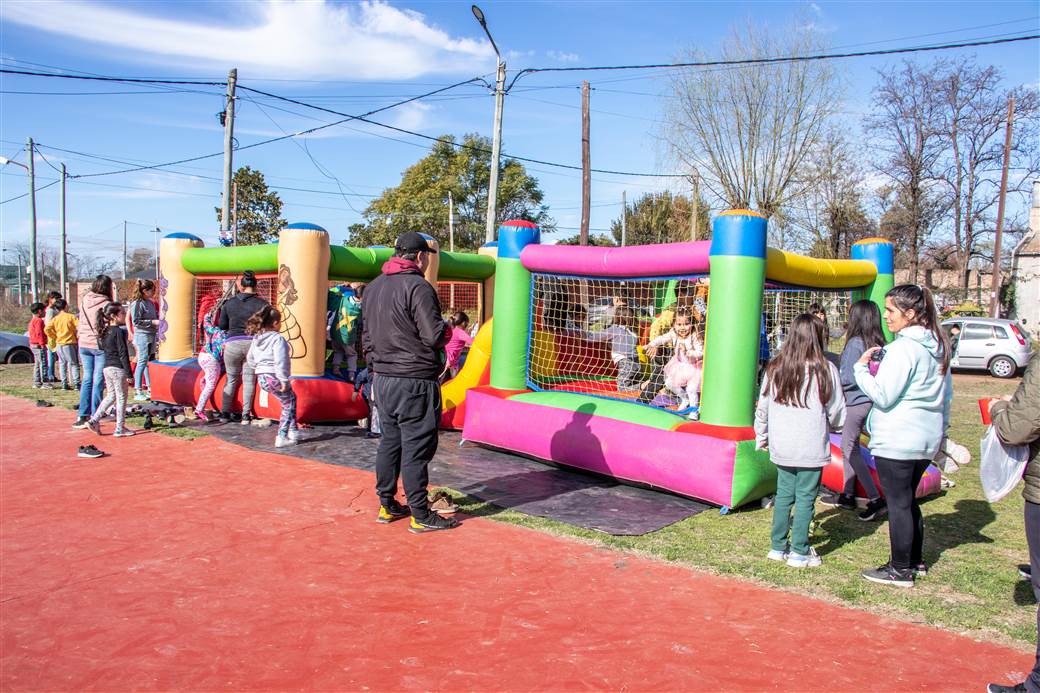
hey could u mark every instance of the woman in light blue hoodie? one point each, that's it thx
(911, 394)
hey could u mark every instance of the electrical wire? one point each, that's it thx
(775, 59)
(104, 78)
(25, 194)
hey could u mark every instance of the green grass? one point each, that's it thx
(973, 547)
(17, 381)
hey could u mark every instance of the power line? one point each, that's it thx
(777, 59)
(18, 197)
(103, 78)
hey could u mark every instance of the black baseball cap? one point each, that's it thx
(412, 242)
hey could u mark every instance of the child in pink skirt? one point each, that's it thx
(682, 373)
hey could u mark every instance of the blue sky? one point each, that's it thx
(354, 57)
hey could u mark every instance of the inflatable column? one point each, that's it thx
(878, 251)
(434, 267)
(176, 298)
(511, 328)
(303, 285)
(738, 270)
(487, 309)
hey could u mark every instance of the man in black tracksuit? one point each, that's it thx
(402, 339)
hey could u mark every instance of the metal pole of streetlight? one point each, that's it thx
(33, 279)
(496, 142)
(64, 269)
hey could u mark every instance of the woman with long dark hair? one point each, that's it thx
(911, 393)
(144, 316)
(90, 353)
(863, 332)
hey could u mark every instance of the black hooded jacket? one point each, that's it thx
(403, 334)
(237, 310)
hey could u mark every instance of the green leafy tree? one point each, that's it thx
(258, 211)
(420, 201)
(594, 239)
(660, 218)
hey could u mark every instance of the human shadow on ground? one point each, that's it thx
(1024, 595)
(837, 527)
(963, 526)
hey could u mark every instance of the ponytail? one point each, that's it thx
(907, 297)
(105, 318)
(262, 320)
(248, 280)
(140, 287)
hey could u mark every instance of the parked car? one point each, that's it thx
(999, 346)
(14, 348)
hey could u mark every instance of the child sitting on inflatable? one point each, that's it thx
(682, 373)
(459, 342)
(623, 347)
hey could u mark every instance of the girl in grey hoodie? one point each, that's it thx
(800, 403)
(269, 358)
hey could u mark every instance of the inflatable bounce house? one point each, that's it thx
(554, 392)
(295, 275)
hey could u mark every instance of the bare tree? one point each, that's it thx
(749, 129)
(831, 214)
(974, 112)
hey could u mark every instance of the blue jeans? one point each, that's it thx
(143, 346)
(51, 358)
(93, 361)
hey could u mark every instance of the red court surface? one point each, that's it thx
(174, 565)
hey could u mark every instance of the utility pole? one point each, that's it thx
(64, 269)
(156, 232)
(994, 289)
(234, 215)
(451, 242)
(624, 218)
(124, 251)
(695, 207)
(496, 152)
(33, 271)
(229, 136)
(586, 178)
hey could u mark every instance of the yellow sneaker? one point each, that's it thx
(392, 512)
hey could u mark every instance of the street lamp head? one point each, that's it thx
(4, 160)
(479, 15)
(483, 23)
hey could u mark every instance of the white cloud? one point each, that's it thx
(288, 38)
(411, 116)
(815, 8)
(562, 56)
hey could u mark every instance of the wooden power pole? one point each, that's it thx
(695, 207)
(229, 138)
(624, 218)
(586, 177)
(994, 289)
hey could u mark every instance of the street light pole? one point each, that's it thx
(33, 278)
(496, 142)
(64, 269)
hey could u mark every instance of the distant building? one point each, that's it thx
(1025, 271)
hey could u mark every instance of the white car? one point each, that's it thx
(14, 348)
(999, 346)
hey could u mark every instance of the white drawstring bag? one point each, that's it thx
(1000, 466)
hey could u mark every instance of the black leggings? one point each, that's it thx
(899, 480)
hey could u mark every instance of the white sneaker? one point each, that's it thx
(141, 397)
(694, 415)
(125, 433)
(775, 555)
(283, 442)
(294, 436)
(796, 560)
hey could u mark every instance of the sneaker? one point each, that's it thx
(921, 570)
(797, 560)
(775, 555)
(94, 426)
(694, 415)
(293, 435)
(283, 442)
(431, 523)
(1025, 571)
(141, 397)
(246, 419)
(840, 500)
(391, 512)
(224, 417)
(875, 510)
(373, 434)
(124, 433)
(887, 575)
(46, 386)
(66, 386)
(235, 417)
(1001, 688)
(81, 422)
(261, 422)
(42, 403)
(89, 451)
(442, 504)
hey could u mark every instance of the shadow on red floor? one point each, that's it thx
(174, 565)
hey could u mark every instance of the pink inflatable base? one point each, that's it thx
(686, 463)
(834, 475)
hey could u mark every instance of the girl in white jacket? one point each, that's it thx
(269, 358)
(911, 394)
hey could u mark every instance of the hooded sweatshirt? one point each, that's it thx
(269, 355)
(88, 310)
(404, 334)
(911, 397)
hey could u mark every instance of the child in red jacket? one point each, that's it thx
(38, 344)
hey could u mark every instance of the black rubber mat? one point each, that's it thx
(502, 479)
